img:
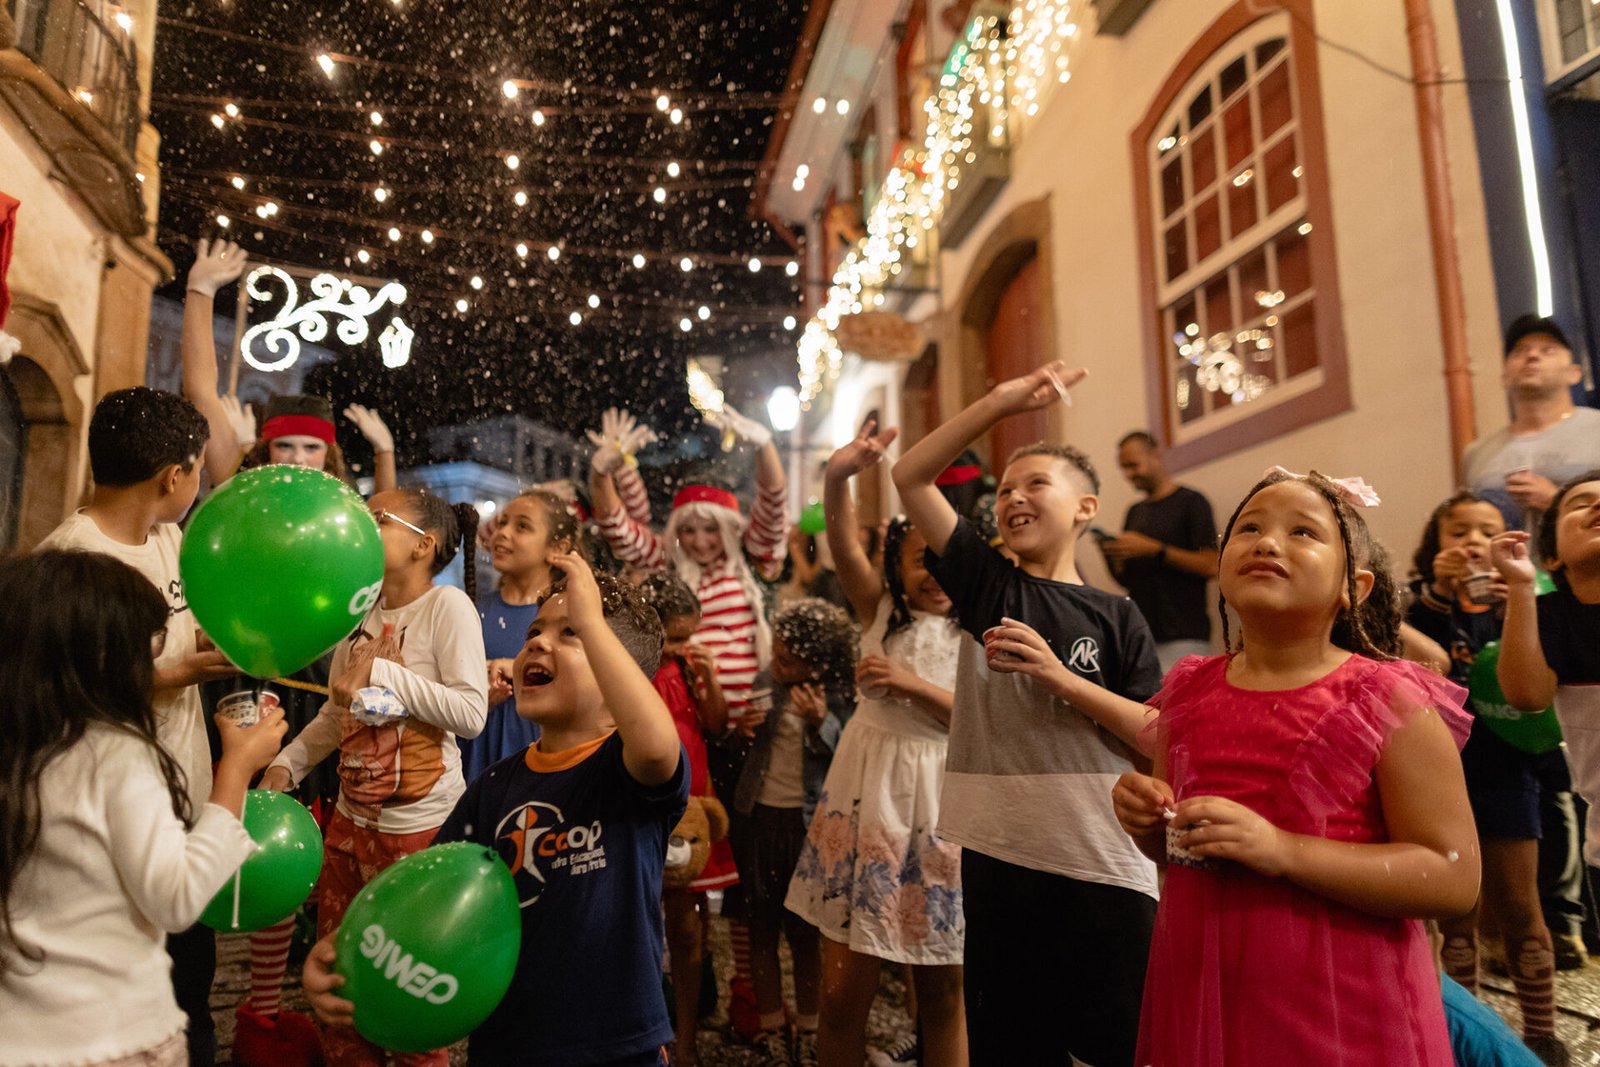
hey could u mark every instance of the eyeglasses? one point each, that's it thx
(392, 517)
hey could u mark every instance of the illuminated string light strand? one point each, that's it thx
(991, 78)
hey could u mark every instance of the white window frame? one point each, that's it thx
(1235, 250)
(1556, 68)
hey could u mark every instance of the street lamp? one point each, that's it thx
(783, 409)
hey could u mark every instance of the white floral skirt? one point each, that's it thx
(873, 874)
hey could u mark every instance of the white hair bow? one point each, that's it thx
(1356, 492)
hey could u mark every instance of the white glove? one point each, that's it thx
(620, 437)
(241, 417)
(215, 265)
(372, 427)
(730, 421)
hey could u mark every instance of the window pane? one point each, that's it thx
(1191, 399)
(1299, 340)
(1207, 228)
(1277, 103)
(1283, 184)
(1172, 187)
(1219, 306)
(1203, 154)
(1233, 76)
(1266, 50)
(1236, 127)
(1241, 207)
(1200, 107)
(1294, 264)
(1253, 288)
(1177, 251)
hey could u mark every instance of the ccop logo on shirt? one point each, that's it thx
(1085, 656)
(543, 844)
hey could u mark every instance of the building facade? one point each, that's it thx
(1274, 231)
(79, 158)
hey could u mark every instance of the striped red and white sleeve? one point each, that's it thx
(767, 535)
(630, 487)
(632, 541)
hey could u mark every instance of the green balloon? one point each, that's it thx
(428, 948)
(1531, 731)
(282, 872)
(811, 519)
(279, 565)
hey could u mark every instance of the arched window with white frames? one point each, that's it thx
(1239, 279)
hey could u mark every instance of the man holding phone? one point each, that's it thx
(1166, 554)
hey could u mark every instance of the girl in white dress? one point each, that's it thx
(874, 877)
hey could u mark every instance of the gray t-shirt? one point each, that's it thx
(1560, 452)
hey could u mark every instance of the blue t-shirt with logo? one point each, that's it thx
(586, 844)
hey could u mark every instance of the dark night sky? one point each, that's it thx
(435, 72)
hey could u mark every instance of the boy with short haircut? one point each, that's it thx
(582, 819)
(145, 450)
(1059, 912)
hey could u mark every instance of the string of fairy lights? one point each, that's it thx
(271, 201)
(996, 78)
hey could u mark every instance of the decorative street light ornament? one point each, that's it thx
(395, 341)
(881, 336)
(273, 345)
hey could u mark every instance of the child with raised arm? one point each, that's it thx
(874, 877)
(296, 430)
(1307, 799)
(1058, 902)
(1550, 647)
(587, 987)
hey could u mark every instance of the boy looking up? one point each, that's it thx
(145, 448)
(1059, 912)
(582, 819)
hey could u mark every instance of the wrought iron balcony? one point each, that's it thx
(91, 60)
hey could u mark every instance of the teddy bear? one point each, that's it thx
(705, 820)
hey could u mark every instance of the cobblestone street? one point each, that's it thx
(1577, 999)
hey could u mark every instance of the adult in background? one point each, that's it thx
(1166, 553)
(1518, 469)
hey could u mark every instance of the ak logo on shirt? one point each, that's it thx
(538, 844)
(1085, 656)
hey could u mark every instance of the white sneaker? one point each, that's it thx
(903, 1053)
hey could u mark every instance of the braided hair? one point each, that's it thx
(454, 527)
(1371, 626)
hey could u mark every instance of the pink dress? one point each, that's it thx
(1250, 971)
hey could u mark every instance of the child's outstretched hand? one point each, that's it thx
(864, 453)
(319, 981)
(240, 417)
(584, 608)
(742, 426)
(252, 747)
(372, 427)
(216, 263)
(500, 688)
(1037, 390)
(1509, 554)
(1141, 803)
(1227, 830)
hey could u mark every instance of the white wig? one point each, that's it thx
(730, 525)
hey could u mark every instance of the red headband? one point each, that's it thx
(705, 494)
(297, 426)
(958, 475)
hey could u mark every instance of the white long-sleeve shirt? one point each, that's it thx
(114, 871)
(404, 779)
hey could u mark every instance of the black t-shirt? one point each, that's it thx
(1028, 777)
(1569, 635)
(1173, 601)
(586, 844)
(1460, 631)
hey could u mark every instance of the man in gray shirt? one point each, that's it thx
(1550, 438)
